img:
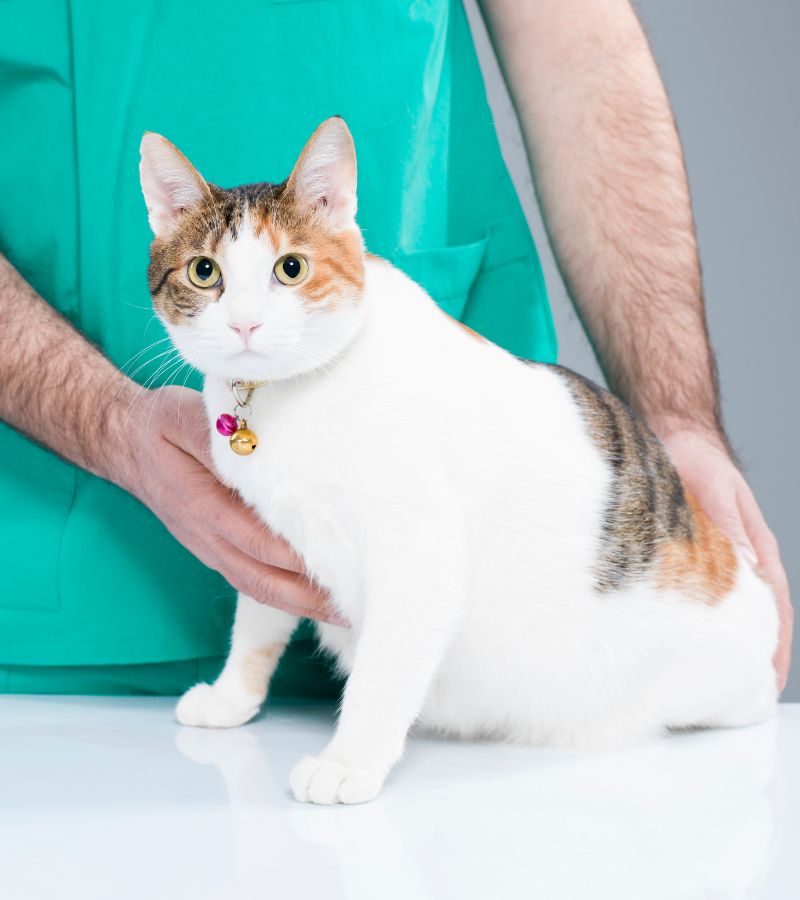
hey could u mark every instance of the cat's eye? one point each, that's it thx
(203, 272)
(291, 269)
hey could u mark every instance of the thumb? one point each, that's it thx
(734, 528)
(185, 423)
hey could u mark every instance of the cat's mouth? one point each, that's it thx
(246, 365)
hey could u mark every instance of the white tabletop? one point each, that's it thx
(109, 798)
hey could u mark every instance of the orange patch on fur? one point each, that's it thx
(703, 566)
(470, 331)
(258, 667)
(336, 258)
(265, 223)
(337, 264)
(375, 258)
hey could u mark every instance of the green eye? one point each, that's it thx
(291, 269)
(203, 272)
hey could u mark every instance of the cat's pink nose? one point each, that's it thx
(245, 329)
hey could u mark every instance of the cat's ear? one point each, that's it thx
(170, 183)
(324, 176)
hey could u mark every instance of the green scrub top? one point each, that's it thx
(90, 576)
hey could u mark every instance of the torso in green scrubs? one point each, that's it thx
(95, 595)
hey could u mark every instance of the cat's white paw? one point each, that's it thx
(205, 706)
(318, 780)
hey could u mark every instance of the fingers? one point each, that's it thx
(185, 422)
(769, 559)
(256, 539)
(782, 660)
(721, 507)
(285, 590)
(764, 541)
(240, 526)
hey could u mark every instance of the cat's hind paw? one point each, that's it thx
(205, 706)
(318, 780)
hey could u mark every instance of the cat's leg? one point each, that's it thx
(407, 627)
(260, 634)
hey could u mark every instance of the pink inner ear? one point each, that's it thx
(324, 177)
(331, 191)
(170, 183)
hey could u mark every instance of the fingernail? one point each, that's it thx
(749, 554)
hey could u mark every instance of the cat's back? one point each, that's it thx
(497, 423)
(459, 382)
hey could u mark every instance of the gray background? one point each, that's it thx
(732, 70)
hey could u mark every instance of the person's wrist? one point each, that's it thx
(671, 427)
(123, 433)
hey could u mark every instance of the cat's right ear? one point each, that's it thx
(324, 176)
(170, 183)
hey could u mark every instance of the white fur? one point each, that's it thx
(451, 500)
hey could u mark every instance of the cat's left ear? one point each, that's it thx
(324, 176)
(170, 183)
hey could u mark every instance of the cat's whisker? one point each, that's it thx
(148, 362)
(189, 371)
(160, 397)
(121, 369)
(136, 355)
(138, 392)
(141, 392)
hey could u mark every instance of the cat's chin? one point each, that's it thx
(248, 366)
(254, 367)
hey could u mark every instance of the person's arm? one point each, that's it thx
(61, 391)
(611, 183)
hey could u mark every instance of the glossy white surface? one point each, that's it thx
(108, 798)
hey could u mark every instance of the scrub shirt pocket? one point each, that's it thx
(37, 490)
(511, 270)
(446, 273)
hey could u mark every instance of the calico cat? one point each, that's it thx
(514, 552)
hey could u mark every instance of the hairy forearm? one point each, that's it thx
(609, 173)
(54, 385)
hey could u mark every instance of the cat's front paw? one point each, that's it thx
(205, 706)
(318, 780)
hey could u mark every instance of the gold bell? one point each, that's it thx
(243, 441)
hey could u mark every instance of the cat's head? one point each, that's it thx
(262, 281)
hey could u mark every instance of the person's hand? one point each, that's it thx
(168, 467)
(718, 486)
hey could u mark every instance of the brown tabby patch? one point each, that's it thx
(647, 505)
(199, 232)
(336, 259)
(651, 523)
